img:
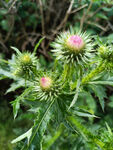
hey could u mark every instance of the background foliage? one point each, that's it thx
(22, 24)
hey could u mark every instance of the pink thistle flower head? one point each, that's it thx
(45, 83)
(75, 43)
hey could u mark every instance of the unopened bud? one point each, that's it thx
(75, 43)
(45, 83)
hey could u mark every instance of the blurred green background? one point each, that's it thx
(23, 23)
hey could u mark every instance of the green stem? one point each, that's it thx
(67, 72)
(50, 142)
(93, 73)
(88, 77)
(25, 82)
(79, 76)
(34, 71)
(37, 45)
(55, 64)
(5, 61)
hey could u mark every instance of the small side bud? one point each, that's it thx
(103, 51)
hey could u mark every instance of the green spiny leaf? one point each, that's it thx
(37, 127)
(56, 135)
(23, 136)
(100, 93)
(16, 50)
(16, 102)
(76, 94)
(37, 45)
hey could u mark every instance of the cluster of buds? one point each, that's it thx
(71, 48)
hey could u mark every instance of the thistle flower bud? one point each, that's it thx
(105, 54)
(48, 87)
(75, 43)
(25, 64)
(45, 83)
(26, 59)
(103, 51)
(73, 48)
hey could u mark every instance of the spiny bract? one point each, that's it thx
(105, 54)
(73, 47)
(24, 64)
(47, 87)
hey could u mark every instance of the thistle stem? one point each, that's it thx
(88, 77)
(57, 134)
(67, 72)
(34, 72)
(93, 73)
(37, 45)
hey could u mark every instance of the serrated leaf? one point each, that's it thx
(16, 107)
(82, 114)
(90, 101)
(16, 85)
(100, 93)
(76, 94)
(23, 136)
(40, 127)
(102, 82)
(109, 129)
(16, 102)
(37, 45)
(16, 50)
(85, 132)
(56, 135)
(6, 73)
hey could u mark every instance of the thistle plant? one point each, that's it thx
(62, 96)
